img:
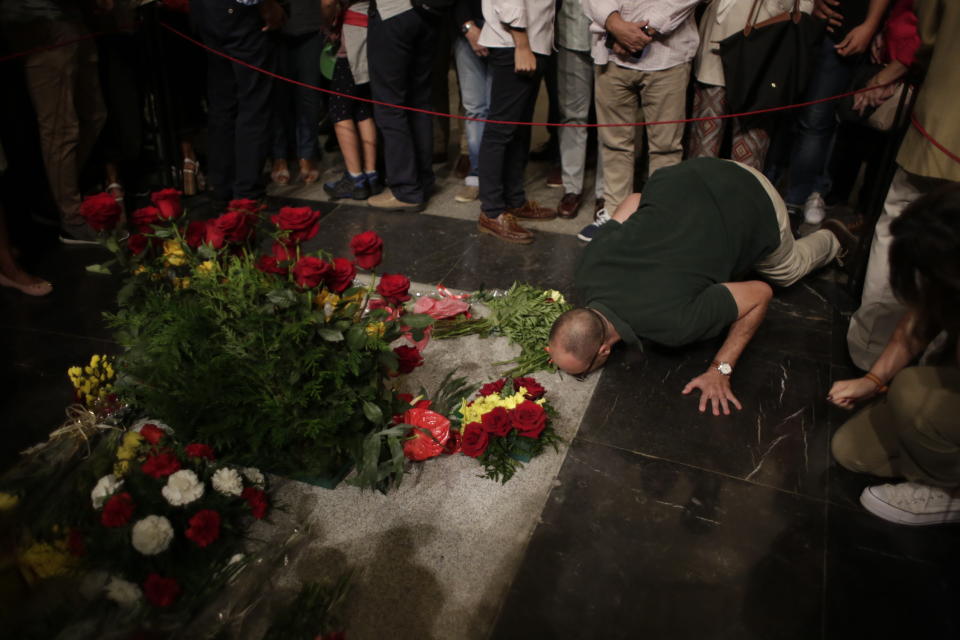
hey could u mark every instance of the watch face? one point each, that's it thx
(725, 368)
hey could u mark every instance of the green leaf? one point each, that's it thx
(283, 298)
(356, 338)
(417, 320)
(164, 232)
(352, 291)
(330, 335)
(389, 360)
(100, 269)
(206, 252)
(112, 244)
(373, 412)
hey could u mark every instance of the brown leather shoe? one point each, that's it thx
(504, 227)
(569, 205)
(532, 211)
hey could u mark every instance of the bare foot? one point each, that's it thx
(280, 173)
(16, 278)
(308, 171)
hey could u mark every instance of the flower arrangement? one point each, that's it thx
(93, 383)
(274, 357)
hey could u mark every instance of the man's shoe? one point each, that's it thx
(467, 193)
(348, 187)
(504, 227)
(911, 503)
(374, 183)
(848, 242)
(532, 211)
(600, 218)
(814, 210)
(388, 202)
(569, 205)
(555, 177)
(462, 168)
(78, 234)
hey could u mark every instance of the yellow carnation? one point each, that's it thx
(376, 329)
(8, 501)
(173, 255)
(206, 267)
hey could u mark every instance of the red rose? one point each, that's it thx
(204, 527)
(151, 433)
(160, 591)
(269, 264)
(497, 421)
(101, 211)
(160, 465)
(367, 249)
(422, 445)
(144, 217)
(283, 253)
(535, 390)
(234, 227)
(168, 201)
(117, 510)
(475, 440)
(302, 223)
(408, 359)
(257, 499)
(341, 276)
(197, 450)
(196, 233)
(137, 243)
(310, 271)
(394, 288)
(529, 418)
(245, 204)
(75, 543)
(493, 387)
(453, 444)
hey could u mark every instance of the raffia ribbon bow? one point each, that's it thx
(81, 423)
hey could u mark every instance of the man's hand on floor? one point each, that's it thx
(715, 388)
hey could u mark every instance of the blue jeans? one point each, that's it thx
(816, 124)
(296, 113)
(473, 74)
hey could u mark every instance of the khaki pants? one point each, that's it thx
(873, 323)
(619, 94)
(792, 259)
(913, 432)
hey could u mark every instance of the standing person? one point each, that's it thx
(921, 168)
(575, 89)
(401, 48)
(64, 87)
(643, 50)
(474, 77)
(296, 113)
(751, 137)
(239, 99)
(519, 36)
(12, 274)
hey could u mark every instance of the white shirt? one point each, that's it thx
(536, 16)
(673, 20)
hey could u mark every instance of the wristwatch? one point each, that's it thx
(725, 368)
(465, 27)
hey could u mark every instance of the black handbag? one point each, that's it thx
(769, 63)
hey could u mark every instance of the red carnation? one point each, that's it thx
(160, 591)
(144, 217)
(367, 249)
(269, 264)
(196, 233)
(197, 450)
(475, 440)
(529, 418)
(310, 271)
(160, 465)
(117, 510)
(204, 527)
(151, 433)
(137, 243)
(341, 276)
(535, 390)
(168, 202)
(493, 387)
(394, 287)
(409, 358)
(301, 223)
(102, 211)
(257, 499)
(497, 421)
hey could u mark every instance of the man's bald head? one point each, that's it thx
(575, 338)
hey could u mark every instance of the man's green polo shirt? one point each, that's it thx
(657, 275)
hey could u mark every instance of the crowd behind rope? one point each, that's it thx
(602, 61)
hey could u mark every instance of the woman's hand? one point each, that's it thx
(847, 393)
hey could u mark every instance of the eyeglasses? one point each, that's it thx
(603, 338)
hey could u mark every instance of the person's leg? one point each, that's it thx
(574, 89)
(368, 139)
(616, 102)
(91, 111)
(421, 87)
(751, 141)
(867, 442)
(221, 128)
(506, 103)
(349, 141)
(284, 112)
(306, 52)
(475, 98)
(664, 98)
(706, 135)
(526, 89)
(254, 98)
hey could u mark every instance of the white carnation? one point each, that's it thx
(228, 482)
(139, 424)
(152, 535)
(124, 593)
(183, 487)
(253, 475)
(105, 487)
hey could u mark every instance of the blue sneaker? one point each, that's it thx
(600, 218)
(348, 187)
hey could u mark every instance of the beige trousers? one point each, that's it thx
(620, 93)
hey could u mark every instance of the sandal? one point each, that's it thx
(40, 288)
(308, 172)
(280, 173)
(191, 176)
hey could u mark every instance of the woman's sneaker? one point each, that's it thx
(911, 503)
(815, 209)
(600, 218)
(348, 187)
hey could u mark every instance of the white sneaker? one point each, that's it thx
(814, 210)
(600, 218)
(911, 503)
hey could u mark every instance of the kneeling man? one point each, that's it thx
(669, 268)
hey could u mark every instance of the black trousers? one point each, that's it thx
(400, 51)
(238, 98)
(504, 147)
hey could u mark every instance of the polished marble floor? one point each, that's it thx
(663, 522)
